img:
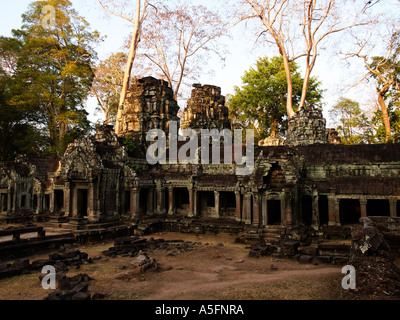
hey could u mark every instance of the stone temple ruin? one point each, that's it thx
(308, 186)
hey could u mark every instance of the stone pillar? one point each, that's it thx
(289, 210)
(160, 200)
(332, 210)
(337, 211)
(363, 207)
(191, 203)
(170, 201)
(238, 206)
(315, 212)
(195, 203)
(247, 207)
(52, 199)
(9, 201)
(135, 205)
(91, 200)
(150, 202)
(283, 210)
(393, 207)
(256, 209)
(67, 199)
(14, 200)
(217, 205)
(264, 210)
(75, 202)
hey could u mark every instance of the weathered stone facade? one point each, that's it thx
(306, 182)
(206, 109)
(150, 104)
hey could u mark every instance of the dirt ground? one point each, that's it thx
(219, 269)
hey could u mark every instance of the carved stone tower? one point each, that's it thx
(149, 104)
(307, 126)
(206, 109)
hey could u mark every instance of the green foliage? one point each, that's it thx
(51, 73)
(355, 127)
(260, 103)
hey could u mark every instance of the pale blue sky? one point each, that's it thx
(241, 57)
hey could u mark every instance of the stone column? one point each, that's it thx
(332, 210)
(67, 199)
(195, 203)
(289, 210)
(91, 200)
(75, 202)
(393, 207)
(337, 211)
(264, 210)
(217, 205)
(150, 202)
(247, 207)
(238, 206)
(256, 209)
(191, 204)
(315, 212)
(283, 210)
(363, 207)
(14, 200)
(160, 200)
(135, 205)
(171, 201)
(9, 201)
(52, 198)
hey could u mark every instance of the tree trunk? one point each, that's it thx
(384, 108)
(289, 103)
(129, 65)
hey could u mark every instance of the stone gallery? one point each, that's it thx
(308, 180)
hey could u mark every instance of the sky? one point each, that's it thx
(335, 75)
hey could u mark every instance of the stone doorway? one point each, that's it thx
(323, 210)
(306, 209)
(206, 203)
(274, 212)
(4, 202)
(349, 211)
(58, 200)
(82, 202)
(181, 200)
(378, 207)
(228, 203)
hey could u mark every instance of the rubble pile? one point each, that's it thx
(133, 246)
(72, 259)
(377, 274)
(72, 288)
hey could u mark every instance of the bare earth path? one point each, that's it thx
(219, 269)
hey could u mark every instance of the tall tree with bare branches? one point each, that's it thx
(120, 9)
(177, 40)
(298, 28)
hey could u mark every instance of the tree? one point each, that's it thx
(17, 135)
(107, 84)
(355, 127)
(119, 10)
(385, 71)
(53, 73)
(298, 28)
(178, 39)
(262, 98)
